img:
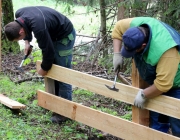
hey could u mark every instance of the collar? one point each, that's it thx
(21, 21)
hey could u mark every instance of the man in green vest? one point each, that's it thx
(155, 47)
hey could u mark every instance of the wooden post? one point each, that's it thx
(0, 33)
(49, 85)
(140, 116)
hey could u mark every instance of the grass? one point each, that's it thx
(33, 122)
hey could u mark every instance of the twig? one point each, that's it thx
(84, 44)
(85, 36)
(28, 79)
(123, 80)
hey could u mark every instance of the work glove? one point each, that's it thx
(117, 61)
(140, 99)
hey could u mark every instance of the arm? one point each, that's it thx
(117, 33)
(164, 77)
(117, 57)
(120, 27)
(46, 45)
(27, 49)
(152, 92)
(117, 44)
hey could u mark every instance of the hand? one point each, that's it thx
(140, 99)
(117, 61)
(42, 72)
(28, 49)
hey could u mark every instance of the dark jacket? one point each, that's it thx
(48, 25)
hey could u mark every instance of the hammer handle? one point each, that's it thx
(28, 53)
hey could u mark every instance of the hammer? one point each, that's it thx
(24, 58)
(113, 86)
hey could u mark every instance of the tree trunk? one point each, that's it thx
(103, 26)
(102, 45)
(122, 12)
(139, 8)
(8, 16)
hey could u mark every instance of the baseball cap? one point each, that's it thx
(133, 39)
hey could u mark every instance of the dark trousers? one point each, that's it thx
(63, 58)
(162, 122)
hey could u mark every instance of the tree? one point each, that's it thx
(8, 16)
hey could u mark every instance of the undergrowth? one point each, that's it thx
(34, 123)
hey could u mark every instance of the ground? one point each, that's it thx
(10, 62)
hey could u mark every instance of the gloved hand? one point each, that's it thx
(117, 61)
(140, 99)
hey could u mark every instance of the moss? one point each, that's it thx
(8, 16)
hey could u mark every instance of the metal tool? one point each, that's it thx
(113, 86)
(24, 58)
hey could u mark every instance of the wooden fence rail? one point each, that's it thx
(99, 120)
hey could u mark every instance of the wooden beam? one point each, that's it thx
(140, 116)
(11, 103)
(162, 104)
(99, 120)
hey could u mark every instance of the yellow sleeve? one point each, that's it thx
(120, 27)
(166, 69)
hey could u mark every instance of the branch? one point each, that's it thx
(28, 79)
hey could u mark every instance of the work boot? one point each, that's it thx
(56, 118)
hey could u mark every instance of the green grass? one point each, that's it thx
(33, 122)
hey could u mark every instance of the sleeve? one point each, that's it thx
(29, 38)
(120, 27)
(166, 70)
(46, 45)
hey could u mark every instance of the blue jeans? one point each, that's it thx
(63, 57)
(162, 122)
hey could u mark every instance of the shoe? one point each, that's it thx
(56, 118)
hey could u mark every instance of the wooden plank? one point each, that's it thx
(162, 104)
(99, 120)
(140, 116)
(10, 103)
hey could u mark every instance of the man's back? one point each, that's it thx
(39, 18)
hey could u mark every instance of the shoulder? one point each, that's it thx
(124, 21)
(171, 53)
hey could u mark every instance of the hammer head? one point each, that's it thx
(112, 88)
(19, 68)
